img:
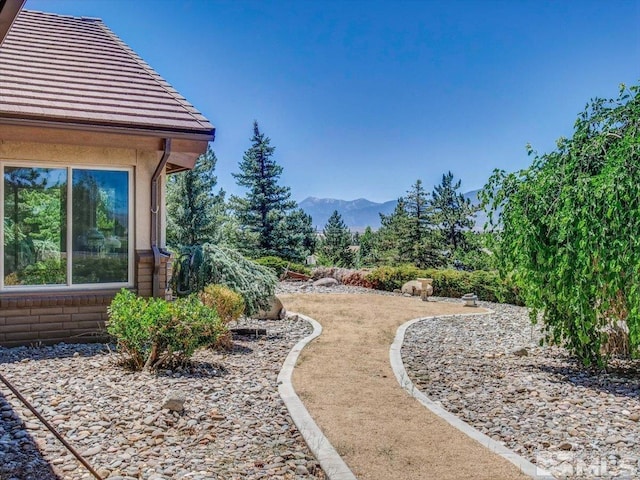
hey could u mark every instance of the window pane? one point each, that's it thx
(35, 219)
(100, 206)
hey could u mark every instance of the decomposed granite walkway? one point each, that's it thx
(346, 383)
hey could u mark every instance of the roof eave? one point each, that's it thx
(205, 134)
(9, 10)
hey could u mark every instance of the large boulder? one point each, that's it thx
(412, 287)
(276, 311)
(326, 282)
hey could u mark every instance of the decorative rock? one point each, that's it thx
(327, 282)
(174, 401)
(276, 311)
(412, 287)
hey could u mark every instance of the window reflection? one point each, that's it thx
(100, 206)
(35, 226)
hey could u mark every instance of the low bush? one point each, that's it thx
(228, 304)
(487, 286)
(392, 278)
(280, 266)
(154, 333)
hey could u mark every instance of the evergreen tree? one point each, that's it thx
(453, 213)
(367, 253)
(393, 246)
(297, 237)
(269, 221)
(336, 243)
(194, 211)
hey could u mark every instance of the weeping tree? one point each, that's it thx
(569, 232)
(201, 265)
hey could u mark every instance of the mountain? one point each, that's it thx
(361, 213)
(357, 214)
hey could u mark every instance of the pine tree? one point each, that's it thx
(393, 245)
(423, 241)
(419, 212)
(336, 243)
(194, 211)
(269, 221)
(453, 213)
(367, 253)
(296, 237)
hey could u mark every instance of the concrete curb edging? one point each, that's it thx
(405, 382)
(334, 467)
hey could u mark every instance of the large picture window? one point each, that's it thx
(49, 212)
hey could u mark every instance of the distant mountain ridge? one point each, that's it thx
(361, 213)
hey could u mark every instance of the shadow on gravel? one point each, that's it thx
(195, 369)
(20, 458)
(622, 379)
(60, 350)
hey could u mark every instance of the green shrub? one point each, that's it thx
(391, 278)
(208, 264)
(228, 304)
(487, 286)
(280, 266)
(154, 333)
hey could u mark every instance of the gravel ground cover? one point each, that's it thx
(234, 426)
(539, 402)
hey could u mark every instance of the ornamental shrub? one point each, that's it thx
(569, 230)
(392, 278)
(228, 304)
(154, 333)
(207, 264)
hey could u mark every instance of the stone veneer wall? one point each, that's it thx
(71, 316)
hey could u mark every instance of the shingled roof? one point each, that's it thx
(76, 71)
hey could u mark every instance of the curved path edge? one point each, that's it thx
(333, 465)
(405, 382)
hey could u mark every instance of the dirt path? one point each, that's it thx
(345, 380)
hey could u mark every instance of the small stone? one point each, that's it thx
(92, 451)
(613, 439)
(149, 420)
(174, 401)
(521, 352)
(565, 446)
(216, 415)
(326, 282)
(634, 417)
(302, 470)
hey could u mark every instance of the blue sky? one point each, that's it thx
(360, 99)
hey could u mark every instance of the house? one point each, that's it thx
(88, 133)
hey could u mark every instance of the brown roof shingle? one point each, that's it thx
(76, 70)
